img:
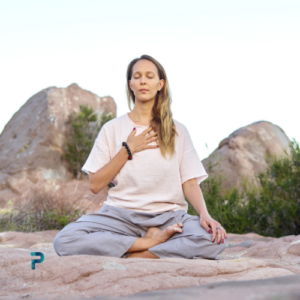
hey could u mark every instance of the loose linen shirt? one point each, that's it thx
(149, 182)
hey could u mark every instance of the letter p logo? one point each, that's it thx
(36, 261)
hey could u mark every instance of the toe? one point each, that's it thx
(177, 229)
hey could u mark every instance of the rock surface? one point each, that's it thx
(243, 152)
(246, 257)
(279, 288)
(32, 142)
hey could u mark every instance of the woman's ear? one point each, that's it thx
(130, 84)
(161, 84)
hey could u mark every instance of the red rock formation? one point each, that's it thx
(33, 141)
(243, 152)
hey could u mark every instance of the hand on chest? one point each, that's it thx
(140, 130)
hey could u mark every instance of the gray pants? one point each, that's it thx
(112, 231)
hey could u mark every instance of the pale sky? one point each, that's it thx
(229, 63)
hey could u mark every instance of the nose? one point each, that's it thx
(143, 81)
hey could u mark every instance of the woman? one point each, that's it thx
(145, 214)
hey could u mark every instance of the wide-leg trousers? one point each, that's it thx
(112, 231)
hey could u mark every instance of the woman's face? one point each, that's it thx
(145, 81)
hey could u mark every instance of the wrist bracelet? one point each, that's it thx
(128, 150)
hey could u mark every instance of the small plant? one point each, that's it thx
(84, 128)
(43, 208)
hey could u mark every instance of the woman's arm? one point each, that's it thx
(103, 176)
(193, 193)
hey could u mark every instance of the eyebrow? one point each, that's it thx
(140, 72)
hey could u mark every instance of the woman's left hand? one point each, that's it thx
(210, 225)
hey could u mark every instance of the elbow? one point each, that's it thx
(94, 189)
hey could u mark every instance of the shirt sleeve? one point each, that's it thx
(191, 165)
(100, 154)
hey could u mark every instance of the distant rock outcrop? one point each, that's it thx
(244, 152)
(33, 141)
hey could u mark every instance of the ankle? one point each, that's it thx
(151, 241)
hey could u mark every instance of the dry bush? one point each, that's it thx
(46, 207)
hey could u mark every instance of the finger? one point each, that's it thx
(149, 140)
(213, 227)
(219, 235)
(152, 136)
(152, 146)
(133, 131)
(206, 227)
(223, 235)
(179, 224)
(146, 131)
(152, 140)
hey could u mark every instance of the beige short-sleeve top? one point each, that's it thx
(148, 182)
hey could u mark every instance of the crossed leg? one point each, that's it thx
(115, 231)
(153, 237)
(191, 241)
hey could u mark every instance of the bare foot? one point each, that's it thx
(142, 254)
(161, 236)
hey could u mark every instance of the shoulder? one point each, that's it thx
(180, 127)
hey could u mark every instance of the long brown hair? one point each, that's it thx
(162, 121)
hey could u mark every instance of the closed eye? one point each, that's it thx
(139, 77)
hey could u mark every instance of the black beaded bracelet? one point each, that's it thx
(128, 150)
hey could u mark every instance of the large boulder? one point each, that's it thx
(244, 153)
(33, 141)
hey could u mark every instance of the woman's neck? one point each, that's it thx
(140, 118)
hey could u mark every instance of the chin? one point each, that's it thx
(144, 98)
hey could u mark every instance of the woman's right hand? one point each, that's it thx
(140, 142)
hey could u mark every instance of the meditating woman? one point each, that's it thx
(152, 162)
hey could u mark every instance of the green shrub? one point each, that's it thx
(228, 208)
(84, 128)
(272, 208)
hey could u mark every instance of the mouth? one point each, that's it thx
(143, 90)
